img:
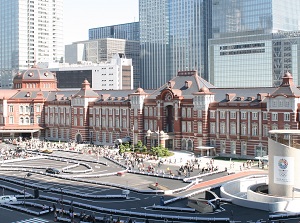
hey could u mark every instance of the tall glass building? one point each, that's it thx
(128, 31)
(29, 31)
(173, 37)
(254, 42)
(240, 17)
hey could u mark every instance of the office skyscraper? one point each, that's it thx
(240, 17)
(175, 34)
(128, 31)
(173, 37)
(254, 42)
(29, 31)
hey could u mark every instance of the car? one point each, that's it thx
(52, 170)
(47, 151)
(7, 198)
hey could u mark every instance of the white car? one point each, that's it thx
(8, 198)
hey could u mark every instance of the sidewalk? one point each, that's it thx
(182, 157)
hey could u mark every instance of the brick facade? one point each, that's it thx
(187, 113)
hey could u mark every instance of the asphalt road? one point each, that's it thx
(93, 187)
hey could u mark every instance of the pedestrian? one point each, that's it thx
(55, 215)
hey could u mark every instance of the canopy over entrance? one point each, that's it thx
(206, 150)
(204, 147)
(18, 130)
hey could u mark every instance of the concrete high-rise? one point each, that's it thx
(103, 50)
(29, 31)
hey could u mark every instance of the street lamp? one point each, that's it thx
(158, 142)
(26, 175)
(61, 196)
(62, 201)
(133, 138)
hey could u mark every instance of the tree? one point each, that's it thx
(139, 144)
(122, 149)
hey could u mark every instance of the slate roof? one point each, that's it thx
(35, 73)
(287, 88)
(244, 93)
(32, 94)
(178, 83)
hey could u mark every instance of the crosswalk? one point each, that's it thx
(32, 220)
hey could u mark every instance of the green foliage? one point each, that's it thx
(139, 144)
(122, 149)
(160, 151)
(127, 146)
(144, 149)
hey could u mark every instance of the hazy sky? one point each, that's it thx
(81, 15)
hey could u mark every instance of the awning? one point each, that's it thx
(18, 130)
(204, 147)
(262, 158)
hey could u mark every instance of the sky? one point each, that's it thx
(81, 15)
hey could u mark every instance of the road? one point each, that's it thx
(86, 180)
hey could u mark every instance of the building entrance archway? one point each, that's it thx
(78, 138)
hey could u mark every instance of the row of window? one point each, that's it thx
(97, 122)
(252, 130)
(24, 120)
(254, 115)
(280, 103)
(24, 108)
(108, 111)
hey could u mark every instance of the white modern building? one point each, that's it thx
(103, 51)
(29, 31)
(114, 75)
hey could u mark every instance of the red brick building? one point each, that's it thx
(187, 113)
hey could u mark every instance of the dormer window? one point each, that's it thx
(238, 98)
(259, 97)
(27, 94)
(187, 84)
(227, 97)
(30, 74)
(46, 74)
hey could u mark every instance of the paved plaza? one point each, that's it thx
(93, 179)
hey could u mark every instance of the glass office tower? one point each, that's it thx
(172, 37)
(240, 17)
(29, 31)
(128, 31)
(154, 40)
(245, 50)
